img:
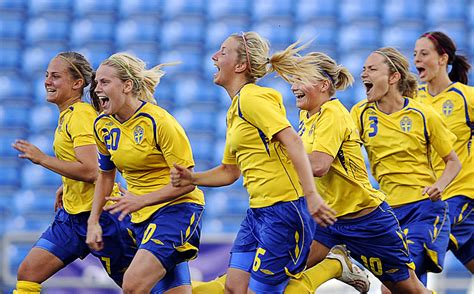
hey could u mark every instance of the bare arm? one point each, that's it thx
(320, 163)
(451, 170)
(83, 169)
(129, 202)
(103, 188)
(222, 175)
(316, 205)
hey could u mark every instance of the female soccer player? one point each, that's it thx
(143, 141)
(76, 161)
(399, 135)
(273, 240)
(454, 101)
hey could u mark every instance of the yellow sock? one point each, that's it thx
(314, 277)
(25, 287)
(215, 286)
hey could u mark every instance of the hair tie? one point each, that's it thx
(268, 60)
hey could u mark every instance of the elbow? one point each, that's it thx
(319, 171)
(91, 176)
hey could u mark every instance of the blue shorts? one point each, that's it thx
(66, 239)
(461, 213)
(273, 243)
(375, 240)
(426, 225)
(172, 234)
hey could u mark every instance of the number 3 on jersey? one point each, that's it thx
(373, 125)
(112, 138)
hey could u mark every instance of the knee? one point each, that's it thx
(132, 285)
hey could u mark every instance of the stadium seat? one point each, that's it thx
(323, 32)
(403, 35)
(276, 82)
(34, 177)
(457, 31)
(225, 10)
(10, 53)
(38, 201)
(397, 12)
(143, 30)
(139, 8)
(315, 10)
(43, 117)
(11, 25)
(192, 90)
(202, 143)
(196, 119)
(182, 9)
(14, 88)
(13, 6)
(86, 8)
(221, 30)
(43, 30)
(272, 10)
(94, 53)
(15, 114)
(10, 173)
(188, 32)
(50, 7)
(148, 52)
(190, 59)
(356, 36)
(278, 32)
(84, 31)
(359, 10)
(445, 11)
(36, 59)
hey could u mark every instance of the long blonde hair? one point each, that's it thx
(132, 68)
(326, 68)
(289, 64)
(398, 63)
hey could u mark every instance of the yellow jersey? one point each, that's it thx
(346, 186)
(399, 146)
(456, 106)
(143, 149)
(75, 129)
(254, 117)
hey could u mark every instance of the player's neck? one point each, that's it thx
(128, 110)
(439, 84)
(235, 86)
(391, 103)
(64, 105)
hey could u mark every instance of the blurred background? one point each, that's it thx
(157, 31)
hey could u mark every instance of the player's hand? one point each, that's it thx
(58, 203)
(124, 204)
(320, 211)
(29, 151)
(94, 237)
(181, 176)
(434, 192)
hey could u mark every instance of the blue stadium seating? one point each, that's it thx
(84, 31)
(13, 6)
(34, 177)
(10, 173)
(278, 32)
(14, 115)
(359, 10)
(95, 53)
(7, 138)
(143, 30)
(14, 88)
(11, 25)
(397, 12)
(198, 119)
(139, 8)
(36, 59)
(173, 9)
(86, 8)
(272, 10)
(315, 10)
(10, 53)
(359, 36)
(43, 117)
(46, 30)
(185, 32)
(444, 11)
(225, 10)
(323, 33)
(148, 52)
(189, 57)
(50, 7)
(403, 35)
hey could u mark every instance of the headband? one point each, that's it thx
(73, 66)
(388, 58)
(246, 51)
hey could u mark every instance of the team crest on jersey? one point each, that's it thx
(138, 134)
(448, 107)
(405, 124)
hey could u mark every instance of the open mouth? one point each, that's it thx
(298, 94)
(104, 101)
(421, 71)
(368, 86)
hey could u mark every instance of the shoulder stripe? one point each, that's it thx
(260, 132)
(95, 122)
(361, 119)
(466, 111)
(425, 131)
